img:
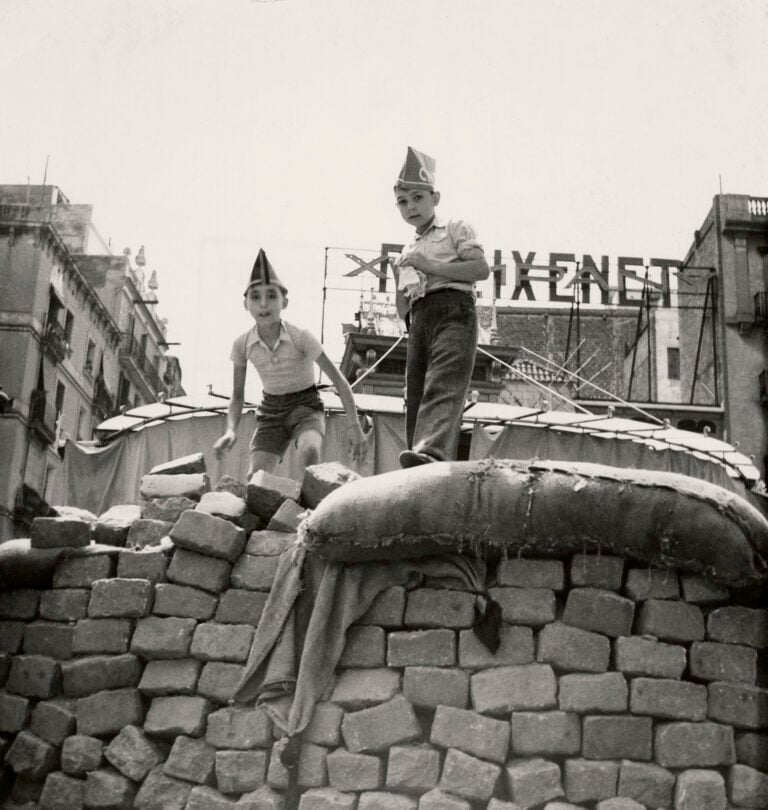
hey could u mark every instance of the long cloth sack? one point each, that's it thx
(510, 507)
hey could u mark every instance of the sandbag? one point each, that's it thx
(511, 507)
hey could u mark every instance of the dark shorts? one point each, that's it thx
(282, 417)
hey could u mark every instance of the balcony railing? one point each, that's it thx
(758, 206)
(132, 348)
(55, 343)
(42, 417)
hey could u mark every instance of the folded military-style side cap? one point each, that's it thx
(418, 171)
(264, 273)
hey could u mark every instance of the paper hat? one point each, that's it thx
(418, 171)
(264, 273)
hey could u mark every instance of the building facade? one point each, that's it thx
(79, 339)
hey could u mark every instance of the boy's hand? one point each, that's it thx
(358, 443)
(418, 261)
(224, 443)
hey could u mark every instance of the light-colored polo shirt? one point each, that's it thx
(287, 368)
(454, 240)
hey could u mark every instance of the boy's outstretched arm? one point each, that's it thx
(234, 412)
(462, 270)
(357, 439)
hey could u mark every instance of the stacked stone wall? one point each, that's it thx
(615, 687)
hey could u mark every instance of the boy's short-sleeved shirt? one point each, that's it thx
(287, 368)
(454, 240)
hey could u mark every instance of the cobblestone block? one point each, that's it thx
(208, 798)
(619, 803)
(527, 606)
(693, 745)
(312, 770)
(199, 571)
(748, 787)
(429, 607)
(379, 727)
(498, 804)
(738, 625)
(586, 694)
(752, 750)
(597, 571)
(702, 591)
(161, 792)
(359, 688)
(713, 661)
(101, 636)
(241, 606)
(173, 715)
(192, 760)
(133, 754)
(239, 728)
(672, 699)
(181, 485)
(224, 505)
(278, 775)
(49, 638)
(471, 733)
(347, 771)
(437, 800)
(62, 792)
(53, 720)
(522, 573)
(177, 676)
(266, 543)
(516, 647)
(14, 713)
(19, 604)
(59, 532)
(30, 757)
(412, 768)
(387, 609)
(82, 572)
(218, 681)
(185, 465)
(254, 573)
(325, 726)
(599, 611)
(322, 479)
(111, 529)
(699, 789)
(108, 711)
(425, 648)
(5, 667)
(671, 621)
(169, 509)
(265, 492)
(327, 799)
(383, 800)
(738, 705)
(222, 642)
(430, 687)
(263, 798)
(26, 793)
(183, 601)
(157, 637)
(646, 656)
(35, 676)
(652, 583)
(240, 771)
(587, 780)
(365, 646)
(647, 783)
(516, 688)
(468, 777)
(287, 517)
(148, 563)
(105, 790)
(570, 648)
(617, 737)
(545, 733)
(115, 598)
(64, 605)
(85, 676)
(145, 533)
(207, 534)
(533, 781)
(11, 636)
(81, 754)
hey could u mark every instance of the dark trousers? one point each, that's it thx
(441, 354)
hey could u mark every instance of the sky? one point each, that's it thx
(207, 129)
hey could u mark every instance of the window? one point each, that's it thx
(68, 326)
(90, 354)
(61, 390)
(673, 363)
(82, 425)
(54, 307)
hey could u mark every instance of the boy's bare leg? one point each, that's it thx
(261, 460)
(309, 444)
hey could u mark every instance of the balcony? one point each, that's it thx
(55, 343)
(42, 417)
(132, 358)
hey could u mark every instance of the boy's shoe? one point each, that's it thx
(410, 458)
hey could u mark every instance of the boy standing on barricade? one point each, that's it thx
(436, 275)
(284, 356)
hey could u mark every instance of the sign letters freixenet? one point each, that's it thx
(559, 277)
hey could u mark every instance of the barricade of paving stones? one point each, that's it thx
(614, 687)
